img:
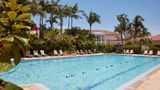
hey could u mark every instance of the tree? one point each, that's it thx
(52, 8)
(138, 29)
(91, 19)
(14, 27)
(38, 9)
(123, 25)
(73, 14)
(61, 14)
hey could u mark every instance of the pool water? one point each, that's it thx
(100, 72)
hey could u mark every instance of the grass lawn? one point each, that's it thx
(5, 67)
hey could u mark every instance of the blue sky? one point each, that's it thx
(109, 9)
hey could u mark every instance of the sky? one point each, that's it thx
(109, 9)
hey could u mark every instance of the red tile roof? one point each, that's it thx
(155, 38)
(104, 32)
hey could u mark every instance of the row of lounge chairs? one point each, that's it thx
(146, 52)
(39, 53)
(86, 52)
(128, 51)
(151, 52)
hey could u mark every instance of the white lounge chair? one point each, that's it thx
(35, 52)
(150, 52)
(61, 52)
(131, 52)
(124, 51)
(127, 51)
(78, 52)
(55, 52)
(145, 52)
(158, 53)
(81, 52)
(42, 53)
(89, 51)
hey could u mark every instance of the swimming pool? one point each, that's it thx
(100, 72)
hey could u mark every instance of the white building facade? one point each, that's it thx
(104, 36)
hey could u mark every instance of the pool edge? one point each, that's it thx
(140, 77)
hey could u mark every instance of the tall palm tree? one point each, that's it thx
(52, 8)
(52, 20)
(91, 19)
(74, 13)
(42, 4)
(123, 25)
(36, 9)
(61, 15)
(138, 28)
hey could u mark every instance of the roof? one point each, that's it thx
(155, 38)
(104, 32)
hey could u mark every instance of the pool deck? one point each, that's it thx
(34, 86)
(147, 81)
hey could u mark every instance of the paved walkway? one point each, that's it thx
(151, 81)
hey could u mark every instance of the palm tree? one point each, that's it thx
(123, 25)
(52, 20)
(74, 13)
(138, 28)
(37, 9)
(91, 19)
(52, 8)
(61, 14)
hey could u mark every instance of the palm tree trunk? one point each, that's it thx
(40, 20)
(61, 25)
(122, 38)
(68, 22)
(71, 22)
(90, 28)
(51, 25)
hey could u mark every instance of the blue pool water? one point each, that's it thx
(101, 72)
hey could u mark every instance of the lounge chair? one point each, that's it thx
(127, 51)
(158, 53)
(42, 53)
(86, 51)
(89, 51)
(35, 52)
(81, 52)
(131, 52)
(61, 52)
(124, 51)
(28, 54)
(145, 52)
(150, 52)
(78, 52)
(55, 52)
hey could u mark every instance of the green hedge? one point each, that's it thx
(136, 48)
(106, 48)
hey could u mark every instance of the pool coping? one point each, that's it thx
(142, 77)
(137, 55)
(69, 56)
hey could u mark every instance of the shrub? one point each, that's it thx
(136, 48)
(105, 48)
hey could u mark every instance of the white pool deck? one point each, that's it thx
(149, 80)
